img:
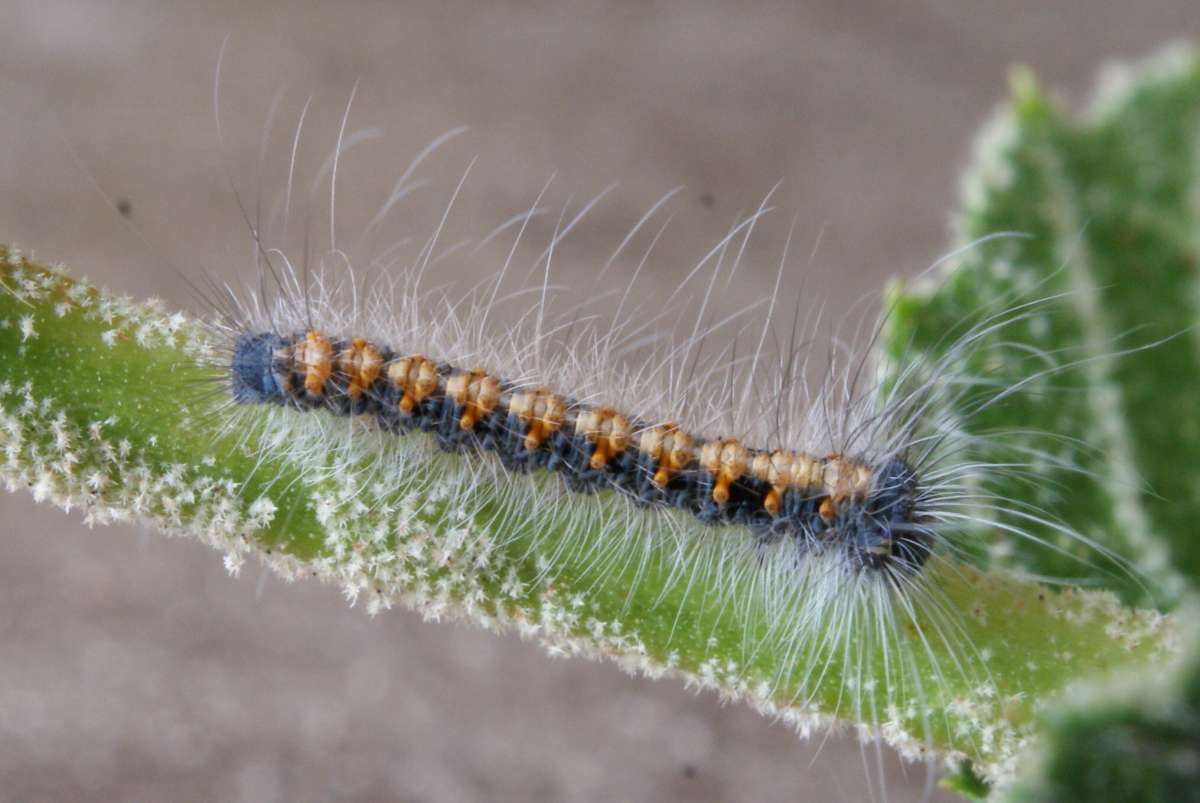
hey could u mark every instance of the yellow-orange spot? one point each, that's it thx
(727, 460)
(541, 411)
(360, 363)
(315, 362)
(476, 393)
(777, 469)
(670, 448)
(827, 510)
(773, 501)
(608, 430)
(416, 377)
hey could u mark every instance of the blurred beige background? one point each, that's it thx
(133, 667)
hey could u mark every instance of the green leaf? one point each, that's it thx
(1121, 741)
(1107, 206)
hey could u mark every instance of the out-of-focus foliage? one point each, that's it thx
(1104, 212)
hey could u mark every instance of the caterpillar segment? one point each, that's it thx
(475, 395)
(361, 363)
(312, 360)
(414, 378)
(667, 451)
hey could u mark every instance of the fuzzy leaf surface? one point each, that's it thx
(1106, 208)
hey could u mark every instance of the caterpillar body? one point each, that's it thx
(867, 510)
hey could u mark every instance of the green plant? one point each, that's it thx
(96, 413)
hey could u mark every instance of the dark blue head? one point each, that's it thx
(255, 374)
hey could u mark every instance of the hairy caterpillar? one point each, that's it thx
(802, 590)
(818, 535)
(867, 511)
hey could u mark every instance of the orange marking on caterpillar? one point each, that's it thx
(361, 364)
(315, 362)
(828, 510)
(476, 392)
(608, 430)
(727, 460)
(541, 411)
(777, 470)
(416, 376)
(670, 448)
(834, 474)
(838, 478)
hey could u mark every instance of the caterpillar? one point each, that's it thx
(814, 520)
(869, 511)
(827, 536)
